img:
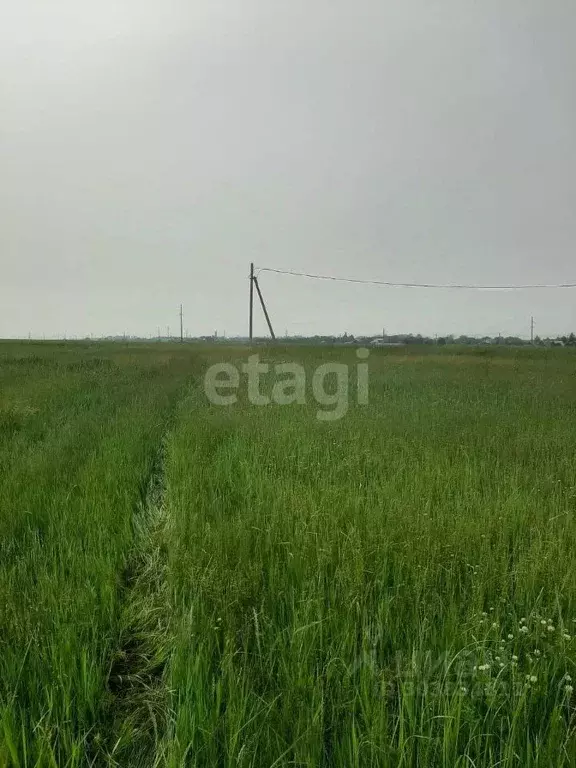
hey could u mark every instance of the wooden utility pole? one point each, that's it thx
(251, 299)
(181, 325)
(254, 282)
(532, 330)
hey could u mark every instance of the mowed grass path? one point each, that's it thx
(396, 588)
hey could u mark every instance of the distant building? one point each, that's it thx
(384, 343)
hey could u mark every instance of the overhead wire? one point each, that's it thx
(391, 284)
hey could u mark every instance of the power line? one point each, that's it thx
(414, 285)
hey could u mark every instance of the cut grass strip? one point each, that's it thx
(139, 701)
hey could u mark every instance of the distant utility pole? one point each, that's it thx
(254, 282)
(531, 330)
(251, 298)
(181, 325)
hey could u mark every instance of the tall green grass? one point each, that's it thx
(74, 463)
(395, 588)
(189, 585)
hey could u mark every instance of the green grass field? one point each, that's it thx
(186, 584)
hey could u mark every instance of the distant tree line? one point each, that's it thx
(409, 338)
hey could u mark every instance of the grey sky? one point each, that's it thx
(150, 150)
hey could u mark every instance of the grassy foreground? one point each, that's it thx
(184, 584)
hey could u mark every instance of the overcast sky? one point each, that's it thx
(150, 149)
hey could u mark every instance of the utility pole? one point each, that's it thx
(254, 282)
(181, 325)
(531, 330)
(251, 299)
